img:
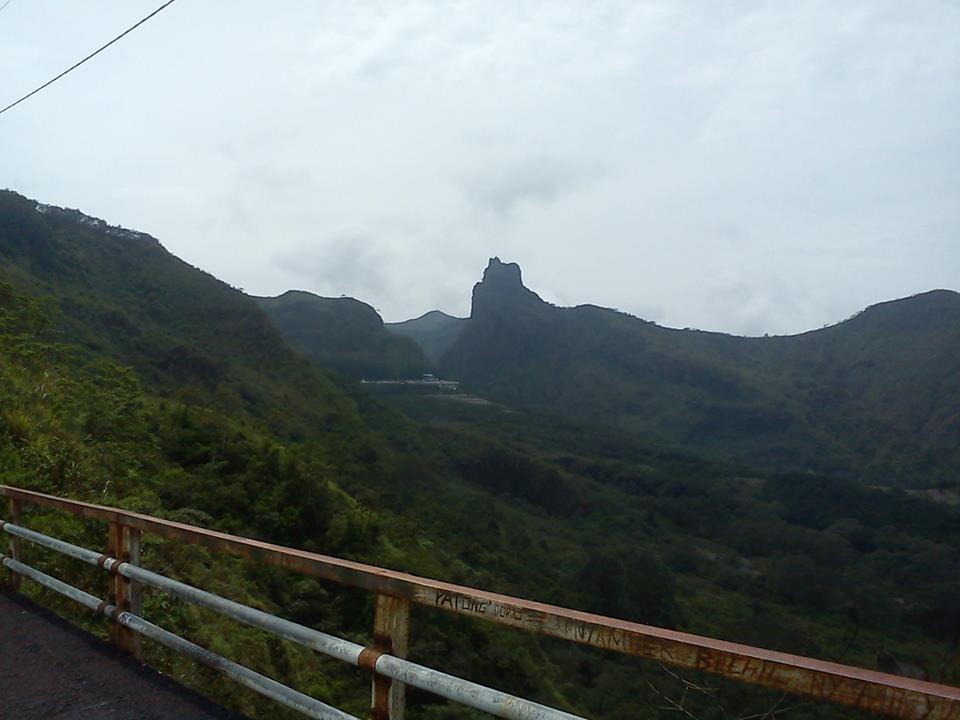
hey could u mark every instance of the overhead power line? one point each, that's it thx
(4, 6)
(94, 53)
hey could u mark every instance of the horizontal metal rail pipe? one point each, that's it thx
(464, 692)
(90, 602)
(894, 695)
(260, 684)
(458, 690)
(311, 707)
(64, 548)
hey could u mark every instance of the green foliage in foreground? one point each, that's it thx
(88, 430)
(799, 563)
(493, 500)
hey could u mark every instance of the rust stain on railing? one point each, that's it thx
(863, 689)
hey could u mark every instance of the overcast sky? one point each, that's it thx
(735, 166)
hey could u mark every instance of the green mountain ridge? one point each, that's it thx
(873, 397)
(434, 331)
(120, 293)
(344, 334)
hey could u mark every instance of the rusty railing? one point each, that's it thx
(882, 693)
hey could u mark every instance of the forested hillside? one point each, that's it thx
(344, 334)
(119, 293)
(876, 397)
(192, 406)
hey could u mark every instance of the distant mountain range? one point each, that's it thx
(434, 331)
(876, 396)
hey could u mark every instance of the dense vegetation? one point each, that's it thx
(874, 398)
(868, 557)
(346, 335)
(274, 447)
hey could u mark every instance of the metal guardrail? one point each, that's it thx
(863, 689)
(452, 688)
(253, 680)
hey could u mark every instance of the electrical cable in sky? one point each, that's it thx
(4, 6)
(78, 64)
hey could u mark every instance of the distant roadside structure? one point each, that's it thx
(427, 380)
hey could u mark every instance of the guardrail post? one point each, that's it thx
(124, 544)
(16, 545)
(391, 632)
(134, 589)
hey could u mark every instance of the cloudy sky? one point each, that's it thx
(741, 166)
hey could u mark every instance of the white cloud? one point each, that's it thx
(641, 155)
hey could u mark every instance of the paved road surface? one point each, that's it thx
(50, 670)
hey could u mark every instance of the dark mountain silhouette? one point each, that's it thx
(434, 331)
(876, 396)
(344, 334)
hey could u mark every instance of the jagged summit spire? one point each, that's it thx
(500, 272)
(502, 288)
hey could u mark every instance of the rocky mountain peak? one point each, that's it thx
(499, 272)
(502, 288)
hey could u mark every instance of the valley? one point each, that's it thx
(782, 492)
